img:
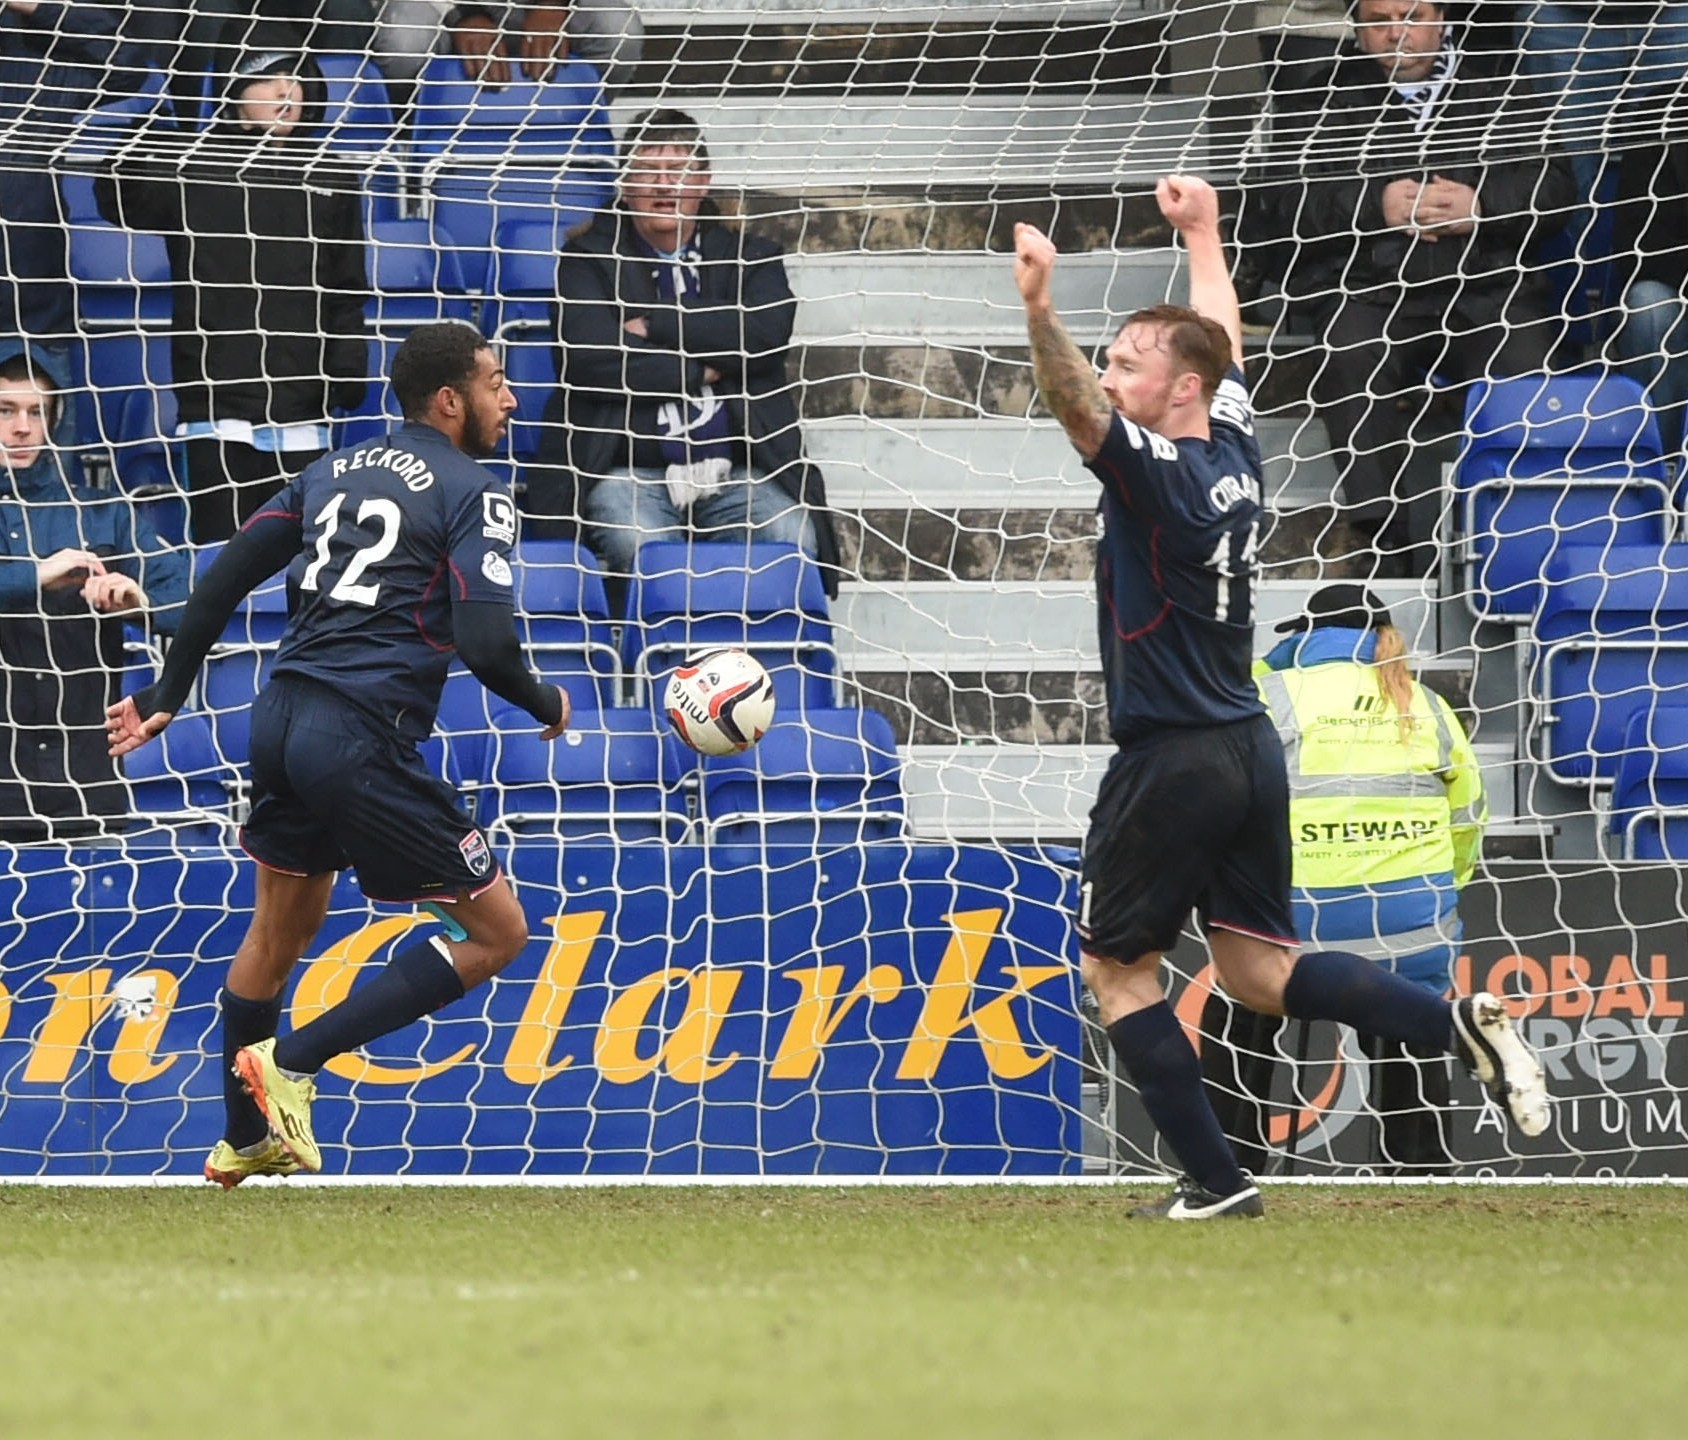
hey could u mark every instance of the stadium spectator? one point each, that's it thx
(75, 564)
(1649, 238)
(265, 236)
(675, 416)
(607, 34)
(1409, 188)
(53, 60)
(409, 33)
(1386, 821)
(1609, 69)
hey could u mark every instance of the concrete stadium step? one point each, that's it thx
(827, 47)
(1016, 135)
(955, 377)
(944, 465)
(936, 298)
(947, 626)
(1044, 793)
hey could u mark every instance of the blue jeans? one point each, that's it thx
(624, 511)
(1586, 69)
(1651, 346)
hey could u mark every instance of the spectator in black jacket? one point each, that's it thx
(1411, 189)
(1650, 242)
(75, 564)
(675, 417)
(265, 235)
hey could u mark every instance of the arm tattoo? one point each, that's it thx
(1067, 383)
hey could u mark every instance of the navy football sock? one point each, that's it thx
(1163, 1066)
(245, 1022)
(416, 982)
(1334, 985)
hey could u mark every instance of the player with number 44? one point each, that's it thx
(398, 556)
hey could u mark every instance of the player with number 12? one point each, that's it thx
(398, 555)
(1193, 812)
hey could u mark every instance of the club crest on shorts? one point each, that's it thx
(475, 854)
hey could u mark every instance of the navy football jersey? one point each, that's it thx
(1180, 524)
(391, 532)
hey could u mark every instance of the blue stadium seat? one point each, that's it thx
(239, 663)
(1551, 461)
(613, 776)
(530, 365)
(181, 778)
(1611, 638)
(831, 777)
(121, 277)
(766, 598)
(358, 115)
(562, 121)
(521, 283)
(1650, 785)
(144, 460)
(472, 204)
(411, 284)
(565, 616)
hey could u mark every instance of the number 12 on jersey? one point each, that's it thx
(1231, 571)
(346, 588)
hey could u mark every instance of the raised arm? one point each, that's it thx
(1192, 209)
(1065, 379)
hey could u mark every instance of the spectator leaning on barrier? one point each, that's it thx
(1386, 818)
(1650, 244)
(675, 417)
(74, 564)
(1410, 190)
(265, 235)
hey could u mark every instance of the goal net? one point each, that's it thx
(848, 951)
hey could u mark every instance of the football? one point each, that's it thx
(720, 702)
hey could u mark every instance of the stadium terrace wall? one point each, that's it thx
(882, 1009)
(877, 1009)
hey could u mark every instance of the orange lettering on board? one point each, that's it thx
(1623, 990)
(1571, 995)
(1658, 970)
(1528, 970)
(1462, 975)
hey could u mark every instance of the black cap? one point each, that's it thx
(1345, 606)
(258, 65)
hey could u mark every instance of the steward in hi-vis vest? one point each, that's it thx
(1386, 819)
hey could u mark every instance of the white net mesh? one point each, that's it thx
(1460, 258)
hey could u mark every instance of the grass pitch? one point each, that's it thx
(851, 1312)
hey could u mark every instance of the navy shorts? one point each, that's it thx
(334, 788)
(1189, 820)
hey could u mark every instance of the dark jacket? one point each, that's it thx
(740, 325)
(1333, 150)
(60, 658)
(1650, 238)
(266, 247)
(51, 65)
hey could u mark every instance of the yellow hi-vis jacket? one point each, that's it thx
(1384, 833)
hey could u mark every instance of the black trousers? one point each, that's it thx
(228, 481)
(1380, 348)
(1409, 1089)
